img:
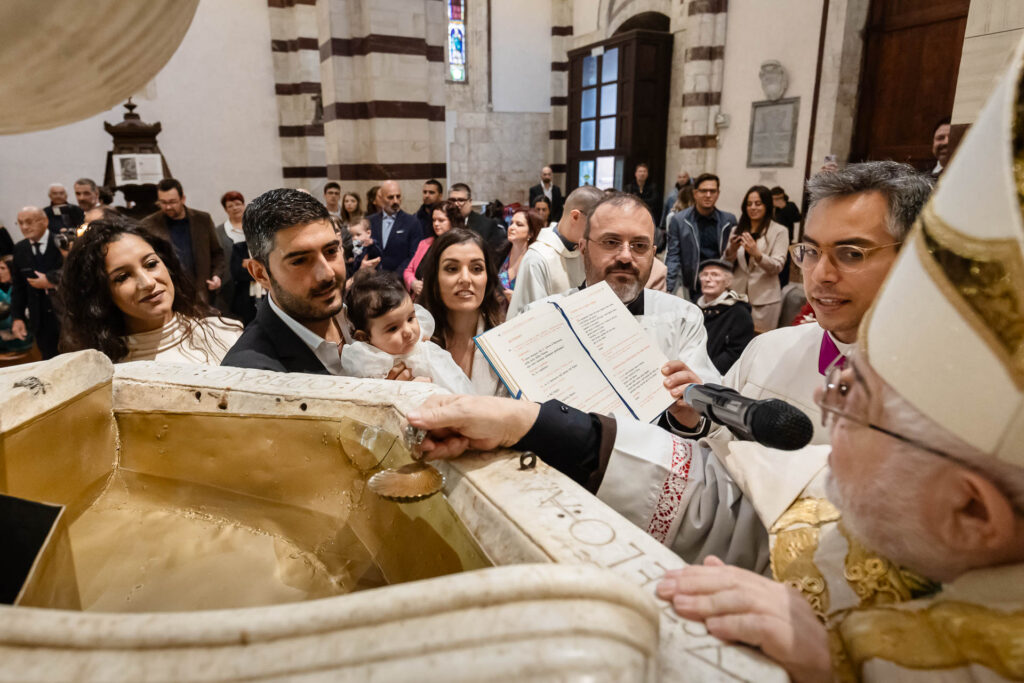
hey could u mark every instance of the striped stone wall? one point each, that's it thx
(382, 65)
(297, 84)
(702, 82)
(561, 43)
(360, 91)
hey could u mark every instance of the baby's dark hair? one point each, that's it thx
(371, 294)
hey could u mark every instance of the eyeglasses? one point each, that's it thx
(833, 403)
(458, 200)
(846, 257)
(614, 244)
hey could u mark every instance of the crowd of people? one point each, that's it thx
(289, 282)
(537, 250)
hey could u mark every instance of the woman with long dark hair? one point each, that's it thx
(462, 292)
(444, 216)
(351, 212)
(124, 292)
(758, 245)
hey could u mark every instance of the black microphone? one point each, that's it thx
(770, 422)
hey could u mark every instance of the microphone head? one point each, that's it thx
(776, 424)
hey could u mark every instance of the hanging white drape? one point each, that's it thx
(66, 60)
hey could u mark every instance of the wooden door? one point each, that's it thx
(908, 82)
(618, 109)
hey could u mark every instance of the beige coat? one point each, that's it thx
(760, 281)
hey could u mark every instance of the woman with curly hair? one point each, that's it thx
(123, 292)
(462, 291)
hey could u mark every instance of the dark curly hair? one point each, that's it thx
(89, 317)
(431, 299)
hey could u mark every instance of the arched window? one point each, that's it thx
(457, 41)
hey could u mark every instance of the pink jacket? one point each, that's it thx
(409, 276)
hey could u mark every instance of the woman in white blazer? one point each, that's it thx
(757, 245)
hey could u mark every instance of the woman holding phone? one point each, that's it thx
(757, 245)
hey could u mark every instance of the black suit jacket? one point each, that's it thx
(402, 242)
(557, 200)
(27, 302)
(6, 243)
(489, 230)
(70, 216)
(268, 344)
(650, 196)
(207, 252)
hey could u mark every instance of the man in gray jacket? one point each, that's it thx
(697, 234)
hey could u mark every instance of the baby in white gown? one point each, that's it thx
(388, 328)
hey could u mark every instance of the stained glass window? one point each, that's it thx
(457, 40)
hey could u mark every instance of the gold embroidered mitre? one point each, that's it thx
(947, 329)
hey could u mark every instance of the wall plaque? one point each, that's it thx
(773, 132)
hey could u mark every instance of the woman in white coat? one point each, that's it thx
(757, 245)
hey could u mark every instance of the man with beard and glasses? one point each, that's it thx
(618, 248)
(296, 255)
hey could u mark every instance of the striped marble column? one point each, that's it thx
(702, 83)
(561, 38)
(382, 64)
(295, 48)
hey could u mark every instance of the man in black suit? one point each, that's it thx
(432, 192)
(547, 187)
(486, 227)
(59, 214)
(644, 188)
(36, 272)
(297, 256)
(394, 231)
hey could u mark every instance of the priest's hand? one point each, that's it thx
(739, 605)
(456, 424)
(677, 376)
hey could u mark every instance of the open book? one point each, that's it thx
(586, 350)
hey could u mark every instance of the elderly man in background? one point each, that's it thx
(59, 214)
(727, 318)
(36, 270)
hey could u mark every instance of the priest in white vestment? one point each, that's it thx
(554, 263)
(927, 457)
(618, 248)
